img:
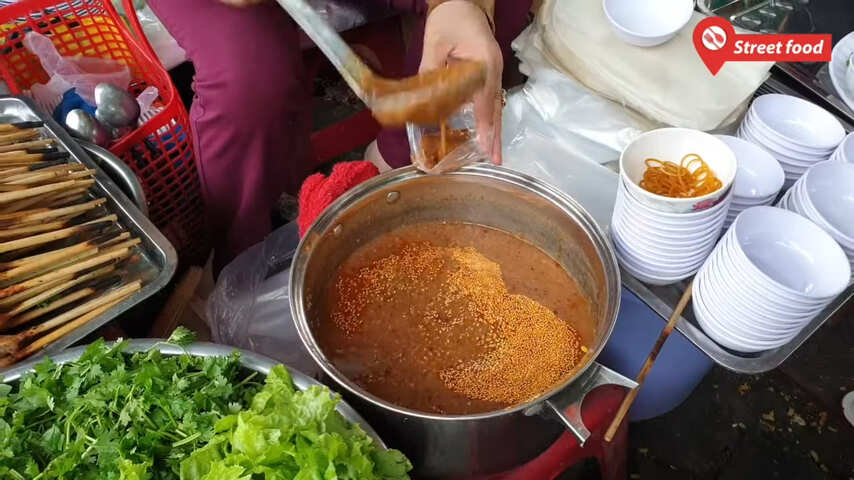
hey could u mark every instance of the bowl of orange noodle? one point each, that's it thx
(678, 170)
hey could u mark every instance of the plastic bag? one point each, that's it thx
(467, 152)
(250, 308)
(561, 132)
(81, 73)
(667, 83)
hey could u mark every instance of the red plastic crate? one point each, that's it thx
(160, 152)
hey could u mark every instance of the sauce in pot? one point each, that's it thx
(453, 318)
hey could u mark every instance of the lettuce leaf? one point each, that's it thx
(291, 434)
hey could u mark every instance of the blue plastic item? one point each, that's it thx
(679, 368)
(71, 101)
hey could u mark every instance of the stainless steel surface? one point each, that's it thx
(460, 446)
(157, 257)
(663, 299)
(86, 127)
(118, 172)
(249, 360)
(116, 108)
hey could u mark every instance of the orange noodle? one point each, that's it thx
(692, 177)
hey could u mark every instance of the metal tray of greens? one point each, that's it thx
(249, 360)
(155, 260)
(174, 410)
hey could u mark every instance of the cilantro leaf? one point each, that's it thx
(182, 337)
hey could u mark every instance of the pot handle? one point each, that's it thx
(566, 404)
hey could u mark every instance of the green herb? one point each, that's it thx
(146, 416)
(288, 433)
(182, 337)
(111, 415)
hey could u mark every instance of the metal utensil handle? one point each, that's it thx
(566, 405)
(120, 173)
(330, 43)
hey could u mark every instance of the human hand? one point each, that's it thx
(242, 3)
(460, 30)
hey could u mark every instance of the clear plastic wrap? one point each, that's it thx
(250, 308)
(81, 73)
(465, 153)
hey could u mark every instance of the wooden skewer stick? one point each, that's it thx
(647, 366)
(59, 287)
(35, 191)
(27, 145)
(45, 260)
(72, 297)
(95, 287)
(36, 346)
(42, 214)
(16, 126)
(71, 198)
(56, 235)
(13, 300)
(44, 177)
(11, 188)
(12, 344)
(74, 268)
(18, 137)
(47, 267)
(28, 170)
(42, 172)
(31, 229)
(118, 238)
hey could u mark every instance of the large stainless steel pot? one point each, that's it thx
(462, 446)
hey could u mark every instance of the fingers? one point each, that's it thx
(487, 106)
(496, 141)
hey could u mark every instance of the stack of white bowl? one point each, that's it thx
(825, 195)
(797, 133)
(662, 240)
(772, 272)
(845, 151)
(758, 180)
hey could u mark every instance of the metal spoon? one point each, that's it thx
(86, 127)
(115, 107)
(424, 99)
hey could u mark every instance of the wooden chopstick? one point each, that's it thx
(647, 366)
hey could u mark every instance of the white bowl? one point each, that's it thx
(672, 144)
(758, 174)
(755, 126)
(653, 262)
(785, 156)
(845, 151)
(661, 252)
(798, 121)
(829, 189)
(647, 23)
(795, 255)
(762, 310)
(672, 227)
(667, 241)
(736, 267)
(717, 333)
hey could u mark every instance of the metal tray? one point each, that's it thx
(664, 299)
(249, 360)
(158, 259)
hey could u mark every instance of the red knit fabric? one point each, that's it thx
(318, 191)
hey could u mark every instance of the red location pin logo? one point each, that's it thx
(714, 38)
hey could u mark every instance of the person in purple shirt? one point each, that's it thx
(251, 116)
